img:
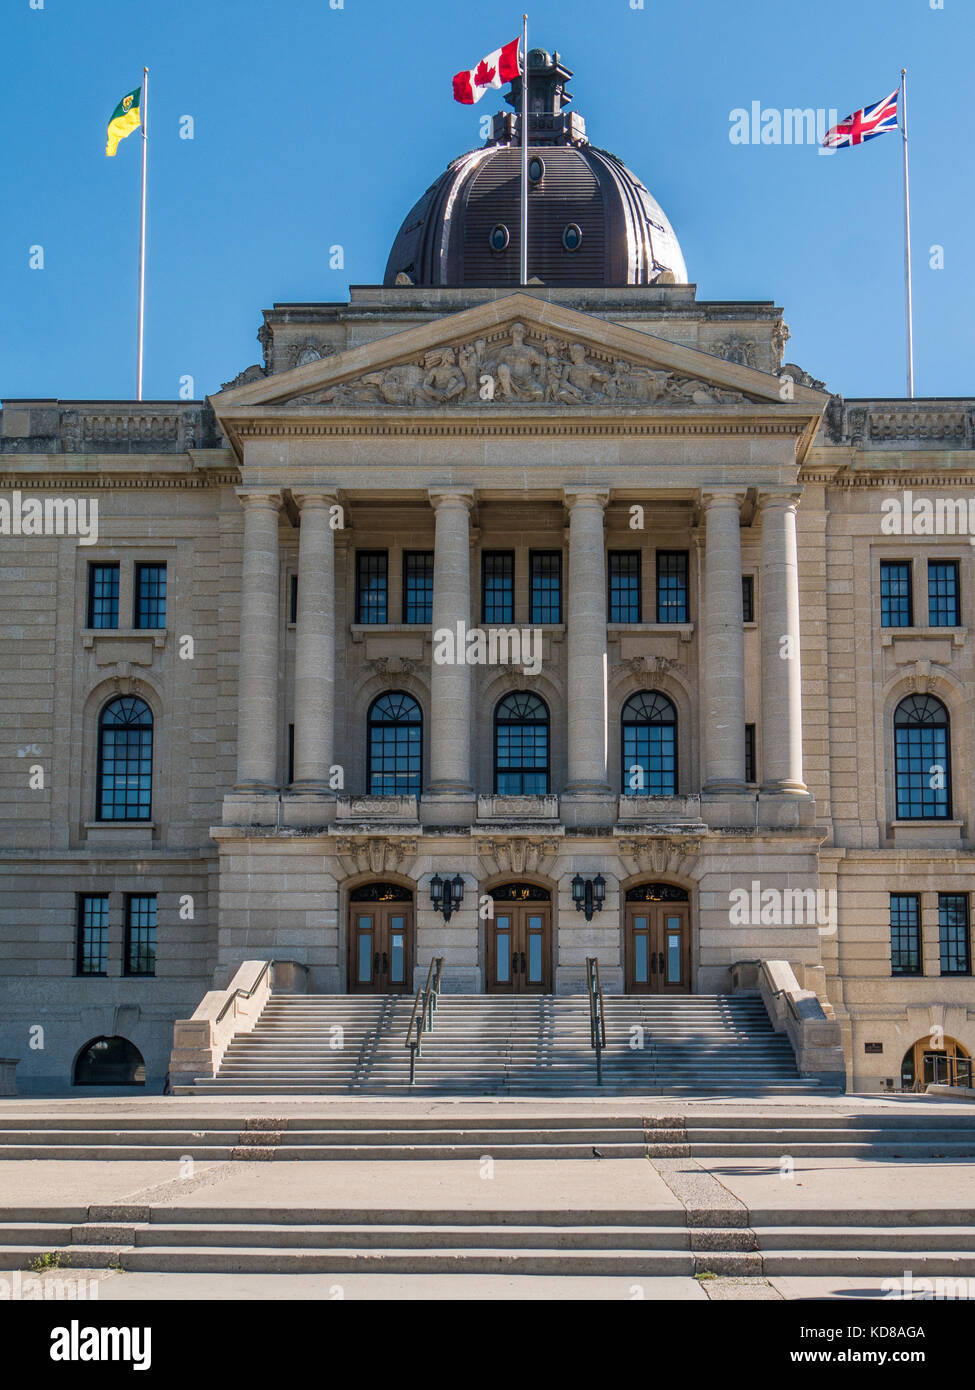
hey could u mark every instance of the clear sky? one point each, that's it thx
(317, 126)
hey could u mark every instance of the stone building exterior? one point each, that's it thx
(713, 632)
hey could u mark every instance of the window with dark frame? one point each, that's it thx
(905, 934)
(103, 587)
(750, 774)
(291, 754)
(418, 586)
(943, 595)
(150, 596)
(672, 604)
(125, 760)
(748, 598)
(92, 954)
(896, 599)
(922, 759)
(648, 727)
(625, 598)
(498, 586)
(395, 746)
(140, 934)
(521, 745)
(293, 599)
(955, 934)
(371, 586)
(546, 582)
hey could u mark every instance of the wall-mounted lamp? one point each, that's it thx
(446, 894)
(589, 894)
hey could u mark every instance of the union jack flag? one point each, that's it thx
(865, 124)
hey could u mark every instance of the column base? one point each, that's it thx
(784, 788)
(251, 804)
(307, 804)
(588, 805)
(448, 805)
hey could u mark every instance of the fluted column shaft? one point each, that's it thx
(586, 634)
(723, 655)
(257, 697)
(315, 643)
(451, 730)
(781, 671)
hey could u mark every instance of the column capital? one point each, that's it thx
(722, 497)
(442, 496)
(325, 496)
(260, 496)
(784, 497)
(576, 495)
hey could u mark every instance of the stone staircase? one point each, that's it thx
(699, 1045)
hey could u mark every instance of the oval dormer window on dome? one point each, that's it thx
(500, 237)
(572, 237)
(536, 169)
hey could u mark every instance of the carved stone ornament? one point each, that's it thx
(300, 354)
(519, 366)
(649, 666)
(393, 665)
(736, 349)
(375, 854)
(655, 854)
(253, 373)
(518, 854)
(800, 377)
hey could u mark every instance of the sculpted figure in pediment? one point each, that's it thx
(520, 369)
(444, 381)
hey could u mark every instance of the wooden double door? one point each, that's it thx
(658, 948)
(519, 948)
(381, 948)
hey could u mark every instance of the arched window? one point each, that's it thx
(922, 759)
(125, 760)
(649, 743)
(521, 756)
(110, 1062)
(395, 745)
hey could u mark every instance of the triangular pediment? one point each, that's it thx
(519, 352)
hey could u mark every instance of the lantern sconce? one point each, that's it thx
(589, 894)
(446, 894)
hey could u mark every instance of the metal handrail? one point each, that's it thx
(424, 1007)
(244, 993)
(597, 1014)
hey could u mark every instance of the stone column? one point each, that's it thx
(586, 632)
(257, 693)
(723, 645)
(315, 643)
(451, 730)
(781, 672)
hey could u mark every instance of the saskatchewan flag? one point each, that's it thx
(126, 117)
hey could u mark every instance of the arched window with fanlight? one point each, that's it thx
(125, 760)
(922, 759)
(395, 752)
(649, 745)
(521, 745)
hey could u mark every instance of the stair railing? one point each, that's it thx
(597, 1014)
(424, 1007)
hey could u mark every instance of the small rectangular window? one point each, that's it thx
(103, 582)
(371, 586)
(896, 606)
(546, 574)
(671, 586)
(498, 586)
(750, 753)
(293, 599)
(150, 596)
(953, 929)
(748, 598)
(943, 604)
(291, 754)
(905, 934)
(140, 934)
(625, 599)
(418, 586)
(92, 957)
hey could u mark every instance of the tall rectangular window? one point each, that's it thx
(418, 586)
(896, 607)
(140, 934)
(943, 604)
(546, 572)
(291, 754)
(905, 934)
(625, 605)
(953, 929)
(103, 595)
(671, 586)
(150, 596)
(750, 775)
(371, 586)
(92, 955)
(293, 599)
(498, 586)
(748, 598)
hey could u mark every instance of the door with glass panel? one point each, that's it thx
(658, 948)
(519, 956)
(381, 948)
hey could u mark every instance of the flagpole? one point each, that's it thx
(524, 154)
(907, 243)
(142, 234)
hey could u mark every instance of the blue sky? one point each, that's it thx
(317, 126)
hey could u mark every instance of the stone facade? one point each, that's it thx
(459, 422)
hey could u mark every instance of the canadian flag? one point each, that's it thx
(495, 70)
